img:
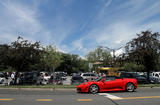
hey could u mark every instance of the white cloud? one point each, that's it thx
(6, 37)
(19, 19)
(22, 19)
(63, 48)
(78, 44)
(111, 26)
(117, 52)
(116, 30)
(102, 11)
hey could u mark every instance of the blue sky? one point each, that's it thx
(78, 26)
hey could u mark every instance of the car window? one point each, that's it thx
(86, 74)
(93, 75)
(153, 74)
(77, 78)
(51, 77)
(1, 75)
(110, 78)
(99, 79)
(122, 75)
(156, 75)
(135, 75)
(128, 75)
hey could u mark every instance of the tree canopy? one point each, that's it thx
(73, 63)
(144, 50)
(21, 54)
(51, 57)
(100, 55)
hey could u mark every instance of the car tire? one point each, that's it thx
(94, 89)
(130, 87)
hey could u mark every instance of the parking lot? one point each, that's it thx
(146, 96)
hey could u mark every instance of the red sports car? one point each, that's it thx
(108, 83)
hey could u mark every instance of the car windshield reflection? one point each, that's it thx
(99, 79)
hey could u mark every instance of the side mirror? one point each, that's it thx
(103, 80)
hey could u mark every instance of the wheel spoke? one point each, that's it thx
(94, 89)
(130, 87)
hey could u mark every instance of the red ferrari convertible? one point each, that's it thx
(108, 83)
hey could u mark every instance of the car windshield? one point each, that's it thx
(86, 74)
(99, 79)
(77, 78)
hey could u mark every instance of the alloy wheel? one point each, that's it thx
(130, 87)
(94, 89)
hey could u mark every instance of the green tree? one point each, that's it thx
(144, 50)
(66, 65)
(132, 67)
(21, 54)
(51, 58)
(3, 56)
(158, 64)
(100, 55)
(72, 63)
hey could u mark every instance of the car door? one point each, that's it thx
(113, 83)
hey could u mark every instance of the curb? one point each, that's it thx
(148, 87)
(48, 89)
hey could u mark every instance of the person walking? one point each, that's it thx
(13, 77)
(6, 79)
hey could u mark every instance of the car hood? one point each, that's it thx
(87, 83)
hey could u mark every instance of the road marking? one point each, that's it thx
(113, 97)
(146, 97)
(85, 100)
(44, 100)
(7, 99)
(125, 98)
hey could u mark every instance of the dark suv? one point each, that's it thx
(76, 80)
(140, 79)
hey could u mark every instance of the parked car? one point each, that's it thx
(46, 75)
(77, 79)
(31, 78)
(73, 74)
(105, 83)
(140, 79)
(89, 76)
(154, 77)
(56, 79)
(2, 78)
(62, 75)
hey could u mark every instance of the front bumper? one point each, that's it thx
(79, 90)
(82, 88)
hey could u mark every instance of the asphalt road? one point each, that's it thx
(143, 96)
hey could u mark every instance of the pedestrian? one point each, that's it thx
(13, 77)
(6, 79)
(18, 78)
